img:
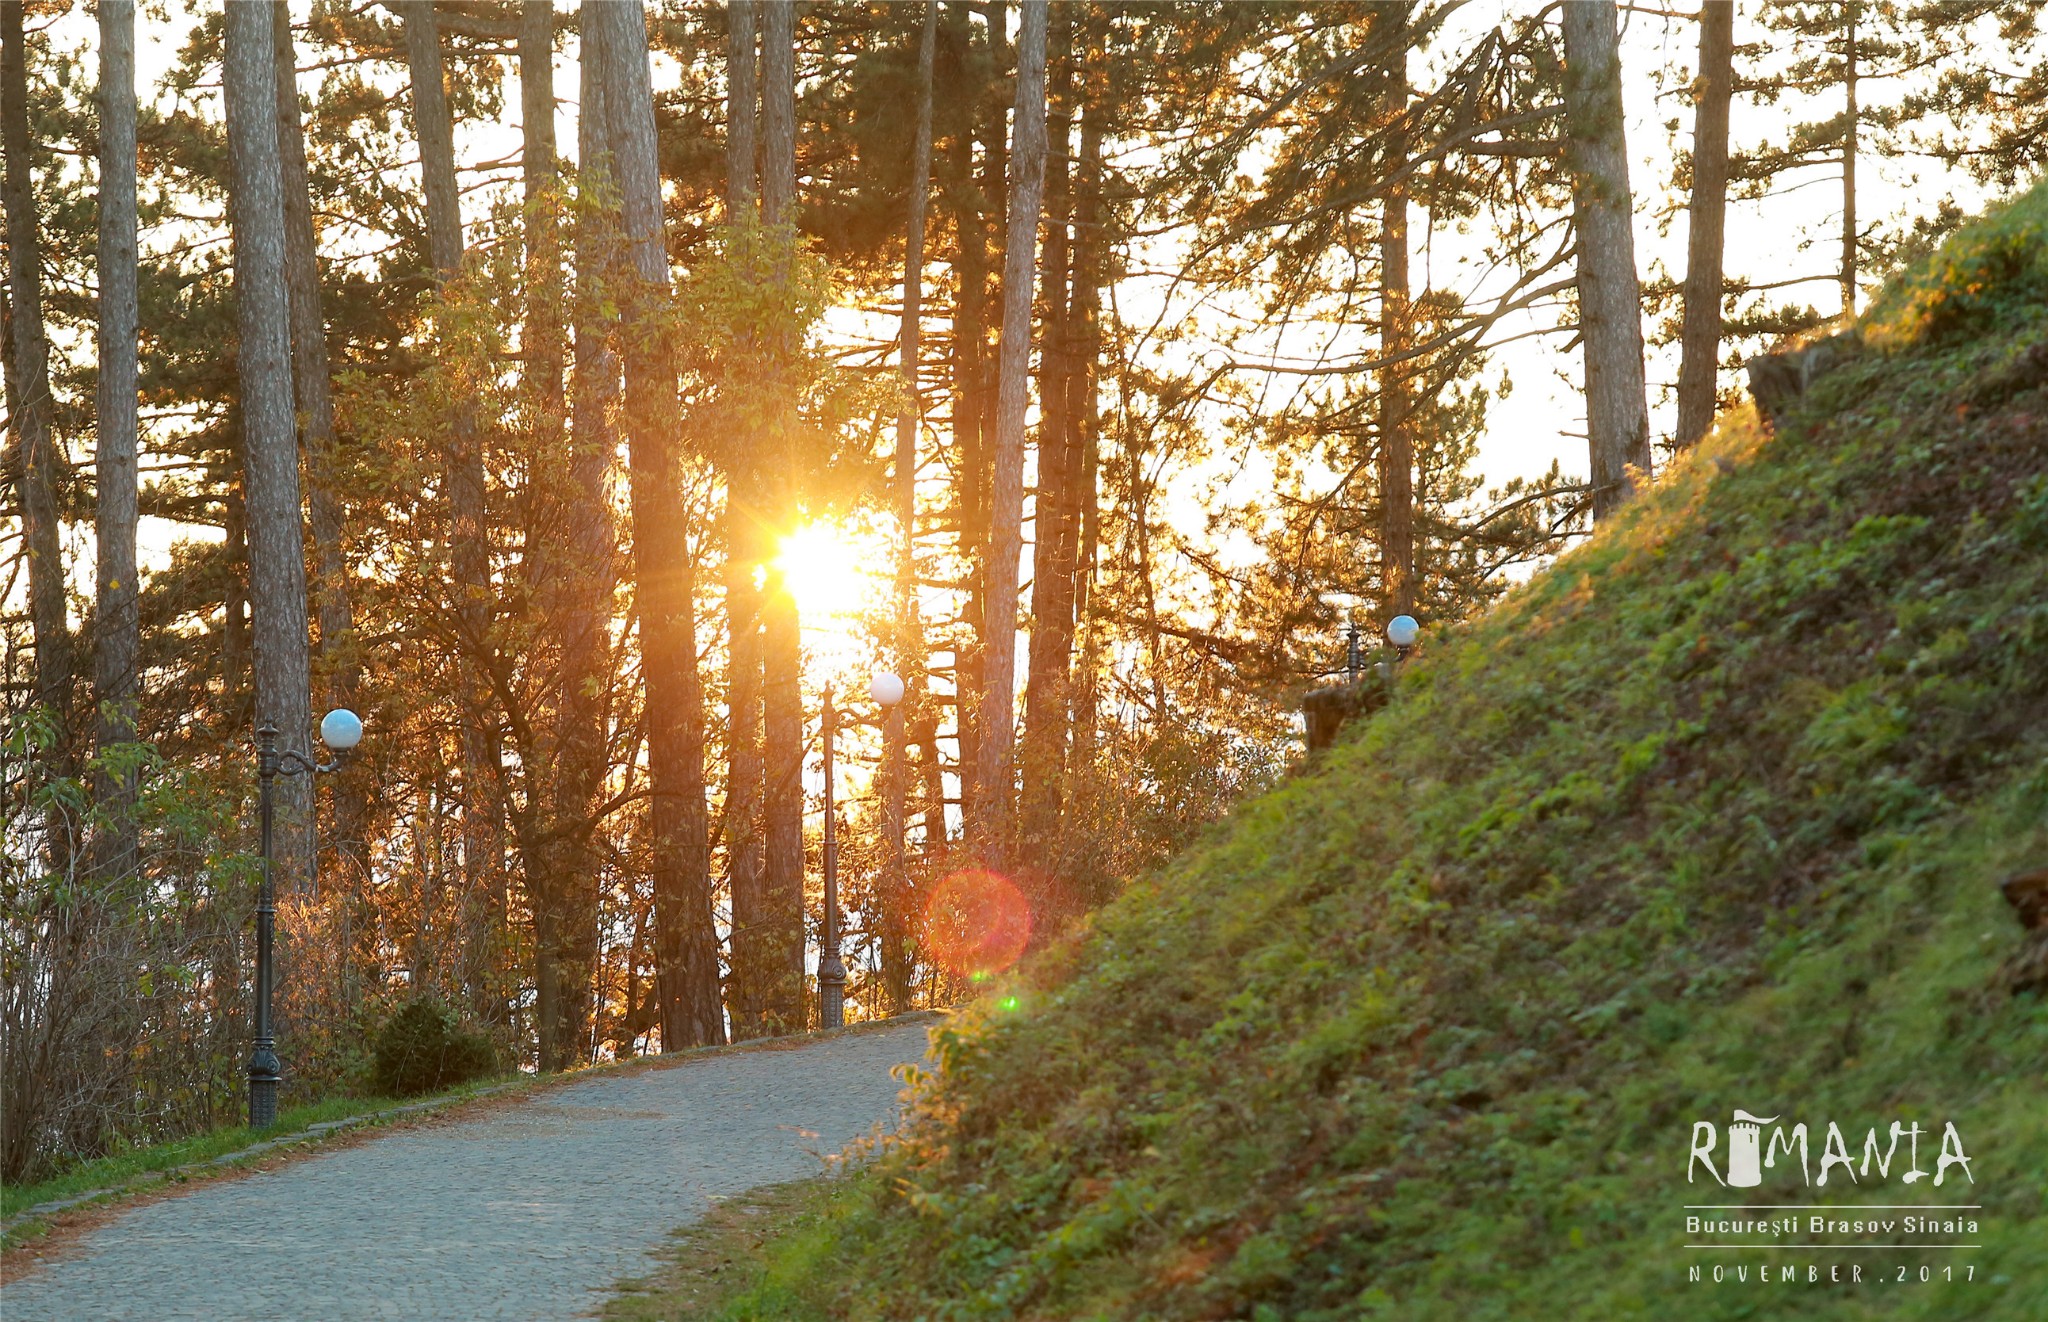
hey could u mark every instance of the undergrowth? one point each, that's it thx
(1710, 815)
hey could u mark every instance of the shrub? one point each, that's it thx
(422, 1049)
(1982, 275)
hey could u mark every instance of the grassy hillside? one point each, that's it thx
(1711, 815)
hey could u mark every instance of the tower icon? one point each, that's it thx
(1745, 1170)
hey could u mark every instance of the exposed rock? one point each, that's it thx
(1777, 381)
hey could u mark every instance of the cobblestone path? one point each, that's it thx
(530, 1210)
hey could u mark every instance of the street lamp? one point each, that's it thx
(887, 690)
(341, 730)
(1402, 631)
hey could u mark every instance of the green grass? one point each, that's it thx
(726, 1254)
(120, 1168)
(1710, 815)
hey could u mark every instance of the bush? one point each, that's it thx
(423, 1049)
(1988, 273)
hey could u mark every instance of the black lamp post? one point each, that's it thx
(340, 730)
(887, 690)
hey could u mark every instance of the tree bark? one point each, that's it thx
(969, 385)
(1610, 299)
(1700, 333)
(743, 515)
(993, 775)
(1849, 137)
(483, 843)
(312, 390)
(570, 566)
(270, 454)
(782, 718)
(540, 170)
(1397, 443)
(117, 634)
(778, 113)
(29, 412)
(686, 937)
(576, 569)
(742, 109)
(898, 900)
(1090, 253)
(1053, 523)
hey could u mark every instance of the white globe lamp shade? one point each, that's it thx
(1402, 631)
(341, 729)
(886, 689)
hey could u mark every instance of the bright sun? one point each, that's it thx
(825, 571)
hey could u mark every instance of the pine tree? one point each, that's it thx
(1700, 340)
(36, 460)
(993, 768)
(685, 938)
(270, 447)
(117, 629)
(1610, 308)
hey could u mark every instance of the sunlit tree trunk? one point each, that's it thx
(277, 558)
(782, 717)
(1700, 335)
(909, 641)
(1053, 524)
(34, 443)
(117, 638)
(1610, 299)
(686, 940)
(744, 513)
(993, 769)
(313, 395)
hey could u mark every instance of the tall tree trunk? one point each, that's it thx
(483, 824)
(1700, 334)
(572, 575)
(909, 641)
(993, 775)
(1850, 127)
(1397, 443)
(576, 575)
(1090, 252)
(992, 202)
(969, 371)
(270, 449)
(312, 391)
(234, 606)
(782, 719)
(742, 108)
(1610, 299)
(744, 543)
(686, 938)
(117, 638)
(1052, 553)
(29, 412)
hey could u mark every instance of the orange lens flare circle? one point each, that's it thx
(976, 923)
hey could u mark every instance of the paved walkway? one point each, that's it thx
(529, 1211)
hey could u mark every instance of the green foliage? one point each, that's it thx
(1993, 272)
(1711, 814)
(422, 1048)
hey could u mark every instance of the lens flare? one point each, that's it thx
(976, 923)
